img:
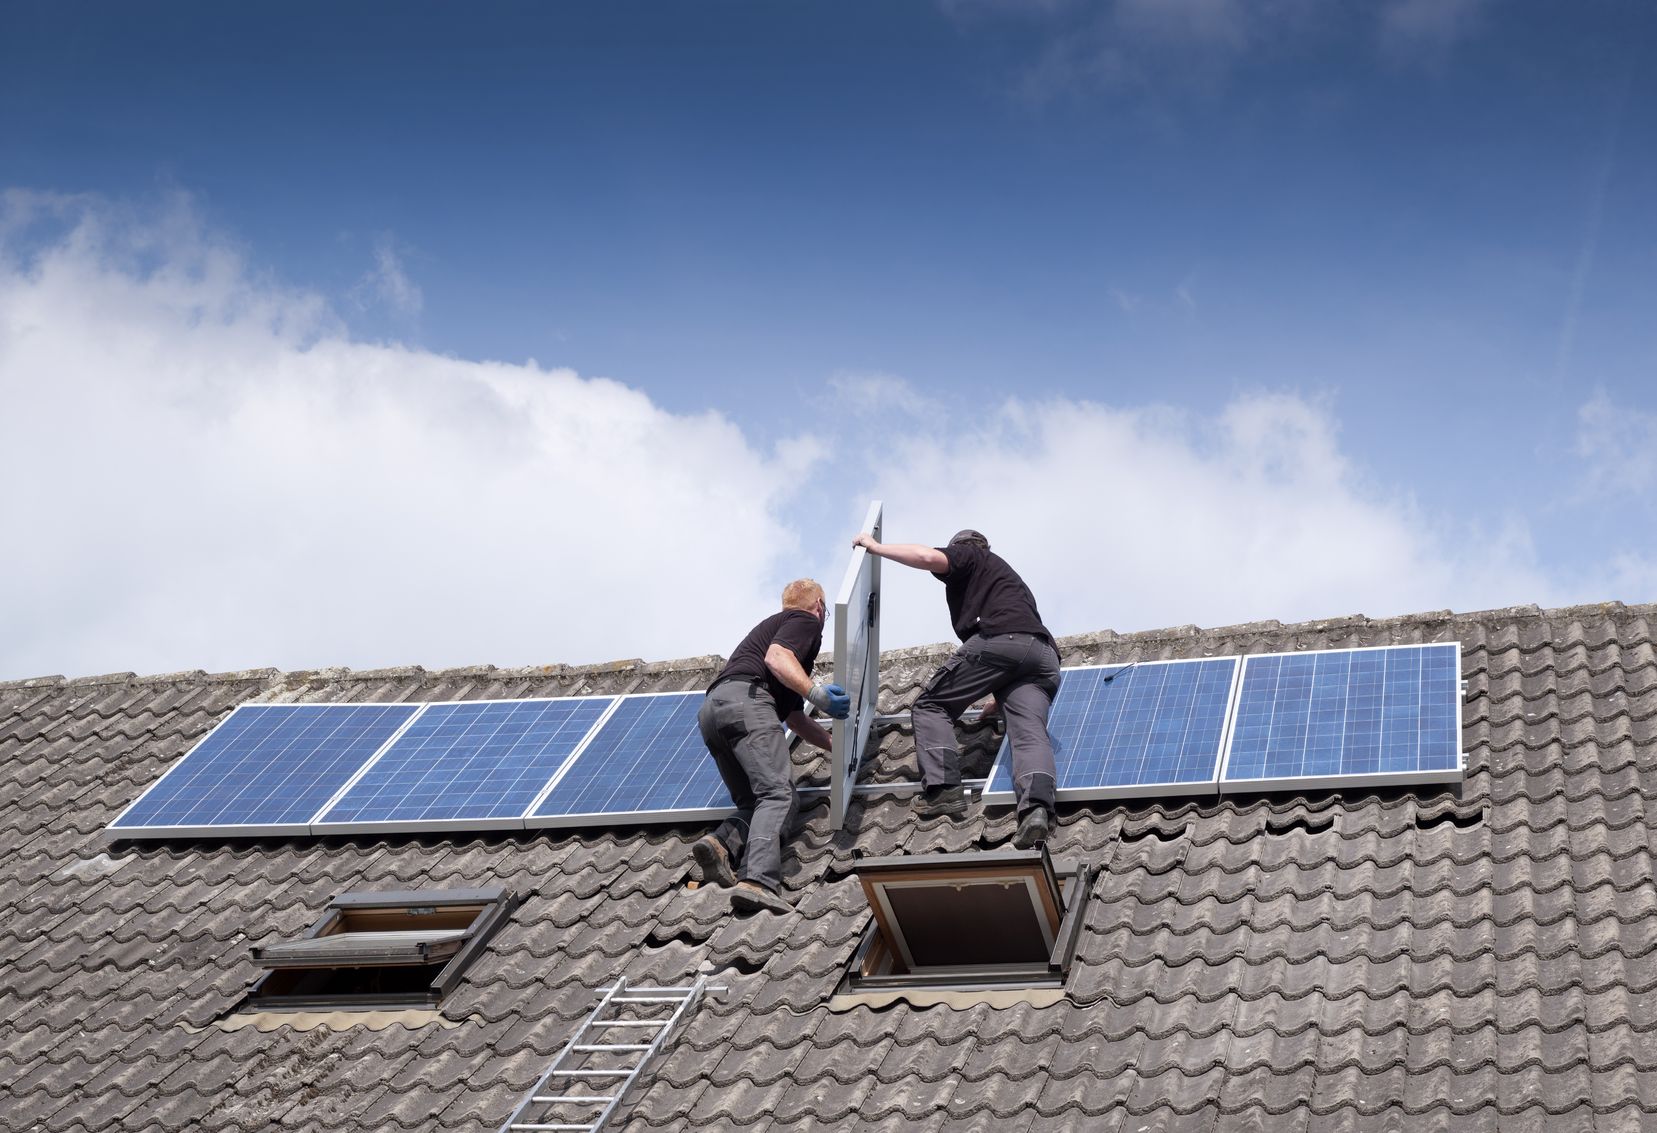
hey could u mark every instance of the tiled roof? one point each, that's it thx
(1380, 960)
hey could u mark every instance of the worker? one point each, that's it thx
(766, 682)
(1006, 651)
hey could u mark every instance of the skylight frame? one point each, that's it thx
(496, 906)
(1069, 883)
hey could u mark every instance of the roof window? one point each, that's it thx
(969, 920)
(405, 948)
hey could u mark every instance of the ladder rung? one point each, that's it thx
(656, 1030)
(679, 991)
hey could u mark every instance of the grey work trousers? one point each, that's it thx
(740, 726)
(1022, 670)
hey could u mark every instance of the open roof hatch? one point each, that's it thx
(969, 920)
(372, 950)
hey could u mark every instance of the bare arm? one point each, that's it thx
(915, 555)
(781, 661)
(786, 668)
(809, 730)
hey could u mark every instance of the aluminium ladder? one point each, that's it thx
(649, 1014)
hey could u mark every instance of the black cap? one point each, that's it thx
(968, 535)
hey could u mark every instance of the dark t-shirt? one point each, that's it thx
(795, 630)
(985, 595)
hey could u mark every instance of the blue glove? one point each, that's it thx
(831, 699)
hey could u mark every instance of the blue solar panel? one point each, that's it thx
(473, 765)
(267, 769)
(1149, 729)
(1348, 717)
(645, 763)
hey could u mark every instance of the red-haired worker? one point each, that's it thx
(765, 683)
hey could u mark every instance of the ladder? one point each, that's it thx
(629, 1025)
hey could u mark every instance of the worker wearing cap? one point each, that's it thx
(1005, 651)
(766, 682)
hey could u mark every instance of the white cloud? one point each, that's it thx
(1174, 47)
(1618, 447)
(204, 470)
(1140, 518)
(1126, 301)
(1174, 44)
(1633, 573)
(1159, 302)
(965, 11)
(872, 394)
(1219, 23)
(1423, 31)
(387, 283)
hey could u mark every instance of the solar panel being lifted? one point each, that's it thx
(473, 765)
(645, 763)
(1122, 731)
(856, 668)
(266, 769)
(1347, 717)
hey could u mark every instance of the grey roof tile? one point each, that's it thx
(1367, 960)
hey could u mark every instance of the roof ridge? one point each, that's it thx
(1530, 612)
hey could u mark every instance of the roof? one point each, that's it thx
(1378, 960)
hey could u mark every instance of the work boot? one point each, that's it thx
(751, 896)
(714, 859)
(1033, 827)
(948, 801)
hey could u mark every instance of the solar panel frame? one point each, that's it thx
(1147, 789)
(1357, 779)
(515, 821)
(535, 821)
(856, 667)
(182, 767)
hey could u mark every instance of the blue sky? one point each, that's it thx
(1411, 245)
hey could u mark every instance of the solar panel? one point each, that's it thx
(1120, 731)
(266, 769)
(856, 667)
(472, 765)
(1331, 718)
(1347, 717)
(645, 763)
